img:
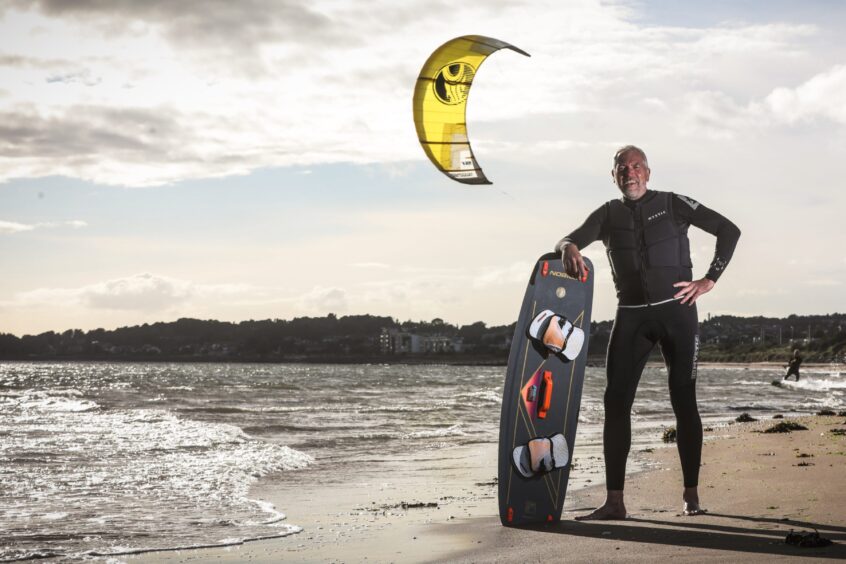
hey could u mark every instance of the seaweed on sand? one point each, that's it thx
(669, 435)
(806, 539)
(785, 427)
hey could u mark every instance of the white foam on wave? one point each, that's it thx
(284, 531)
(286, 409)
(403, 409)
(269, 508)
(131, 465)
(815, 384)
(484, 396)
(451, 431)
(55, 400)
(749, 382)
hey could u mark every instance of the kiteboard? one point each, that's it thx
(542, 393)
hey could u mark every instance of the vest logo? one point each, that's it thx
(656, 215)
(689, 201)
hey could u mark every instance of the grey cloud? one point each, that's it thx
(221, 25)
(83, 132)
(231, 33)
(325, 300)
(143, 292)
(81, 77)
(125, 146)
(379, 16)
(20, 61)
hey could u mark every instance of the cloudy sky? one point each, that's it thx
(257, 159)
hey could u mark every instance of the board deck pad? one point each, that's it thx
(536, 374)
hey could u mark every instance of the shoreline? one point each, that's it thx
(405, 361)
(755, 486)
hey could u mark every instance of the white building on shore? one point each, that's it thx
(393, 341)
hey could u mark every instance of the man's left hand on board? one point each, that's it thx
(690, 291)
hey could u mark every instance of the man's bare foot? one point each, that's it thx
(612, 509)
(691, 503)
(605, 513)
(691, 509)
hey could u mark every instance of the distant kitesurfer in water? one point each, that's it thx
(793, 365)
(645, 234)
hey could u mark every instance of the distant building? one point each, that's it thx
(437, 344)
(393, 341)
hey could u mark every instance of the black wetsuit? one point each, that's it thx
(649, 251)
(793, 367)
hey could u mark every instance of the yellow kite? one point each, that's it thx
(440, 101)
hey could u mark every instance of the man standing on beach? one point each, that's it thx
(645, 235)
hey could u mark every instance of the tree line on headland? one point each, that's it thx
(369, 338)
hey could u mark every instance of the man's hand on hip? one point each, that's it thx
(690, 291)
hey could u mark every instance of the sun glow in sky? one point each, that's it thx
(258, 159)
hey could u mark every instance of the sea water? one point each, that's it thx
(120, 458)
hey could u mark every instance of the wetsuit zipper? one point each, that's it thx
(638, 223)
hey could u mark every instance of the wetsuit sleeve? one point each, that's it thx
(726, 232)
(589, 231)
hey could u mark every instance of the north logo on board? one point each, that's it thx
(561, 275)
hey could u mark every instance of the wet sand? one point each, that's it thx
(757, 487)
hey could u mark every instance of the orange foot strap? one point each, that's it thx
(546, 394)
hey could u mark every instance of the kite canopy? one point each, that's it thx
(440, 101)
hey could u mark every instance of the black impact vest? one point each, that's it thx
(648, 250)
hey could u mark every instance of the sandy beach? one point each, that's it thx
(757, 488)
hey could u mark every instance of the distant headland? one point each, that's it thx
(380, 339)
